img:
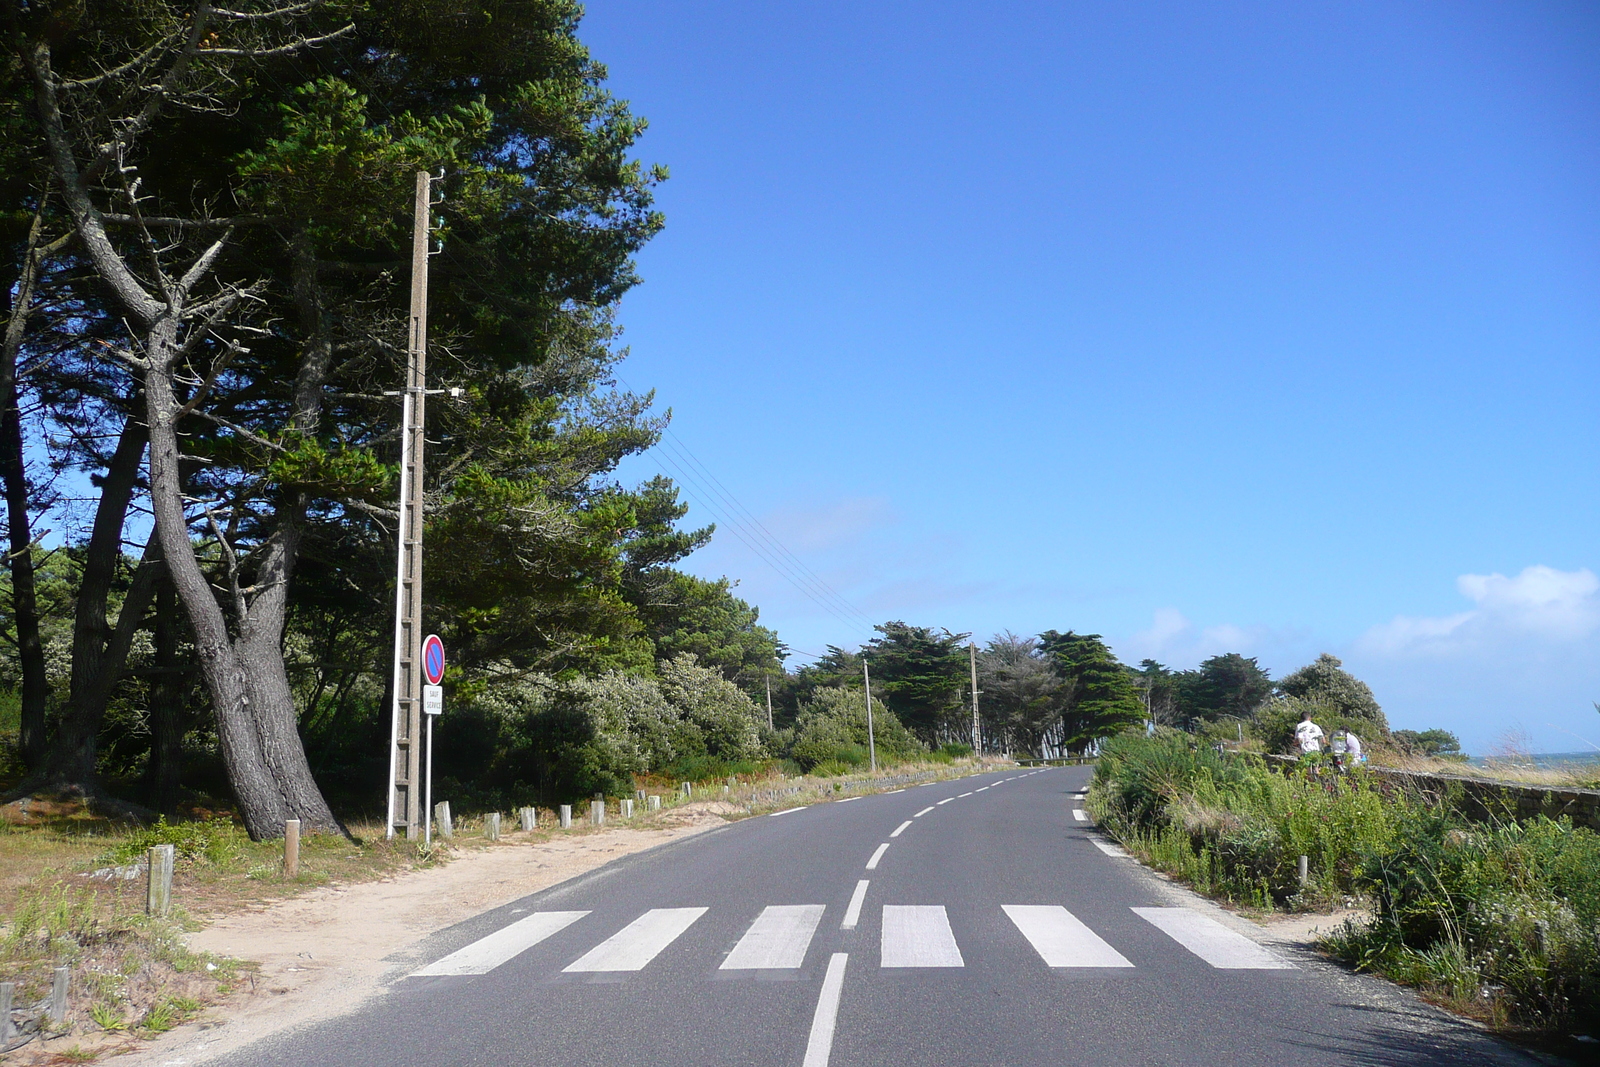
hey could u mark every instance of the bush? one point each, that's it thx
(832, 728)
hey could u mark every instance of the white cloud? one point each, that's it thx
(1177, 641)
(1541, 604)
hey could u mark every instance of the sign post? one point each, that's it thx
(432, 707)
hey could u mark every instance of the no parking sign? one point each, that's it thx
(433, 674)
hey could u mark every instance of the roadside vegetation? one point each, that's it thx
(1497, 920)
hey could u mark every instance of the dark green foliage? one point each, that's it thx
(1276, 720)
(1439, 743)
(921, 672)
(1326, 682)
(1223, 685)
(1099, 698)
(832, 728)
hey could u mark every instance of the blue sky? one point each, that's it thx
(1231, 327)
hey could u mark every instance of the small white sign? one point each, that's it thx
(433, 700)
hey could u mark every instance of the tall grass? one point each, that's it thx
(1500, 919)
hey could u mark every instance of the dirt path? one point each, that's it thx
(321, 954)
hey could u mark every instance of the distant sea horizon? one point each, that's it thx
(1554, 760)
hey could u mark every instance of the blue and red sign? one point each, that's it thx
(433, 659)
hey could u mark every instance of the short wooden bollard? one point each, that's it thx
(566, 816)
(597, 813)
(639, 795)
(688, 789)
(158, 899)
(7, 989)
(491, 826)
(1305, 870)
(654, 803)
(627, 808)
(441, 819)
(58, 996)
(291, 848)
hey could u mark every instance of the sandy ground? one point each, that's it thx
(321, 954)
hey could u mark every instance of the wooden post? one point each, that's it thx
(1305, 872)
(6, 991)
(405, 736)
(291, 848)
(627, 808)
(597, 813)
(654, 803)
(491, 826)
(441, 816)
(529, 819)
(158, 898)
(58, 995)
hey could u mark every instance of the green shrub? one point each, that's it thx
(956, 750)
(216, 842)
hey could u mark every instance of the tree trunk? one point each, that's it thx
(14, 473)
(248, 685)
(163, 772)
(98, 652)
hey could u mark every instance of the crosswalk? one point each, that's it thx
(910, 937)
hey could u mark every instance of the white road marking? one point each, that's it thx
(872, 864)
(898, 830)
(1108, 848)
(947, 800)
(852, 914)
(777, 940)
(819, 1046)
(636, 944)
(963, 795)
(1060, 938)
(892, 792)
(918, 936)
(487, 953)
(847, 800)
(1078, 813)
(785, 811)
(923, 812)
(981, 790)
(1211, 941)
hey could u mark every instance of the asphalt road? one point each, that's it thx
(991, 929)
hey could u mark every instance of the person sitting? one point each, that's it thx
(1308, 735)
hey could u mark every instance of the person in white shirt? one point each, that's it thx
(1353, 746)
(1308, 735)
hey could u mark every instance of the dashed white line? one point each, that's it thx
(964, 795)
(892, 792)
(852, 914)
(820, 1044)
(847, 800)
(1108, 848)
(946, 800)
(898, 830)
(924, 811)
(785, 811)
(981, 790)
(872, 864)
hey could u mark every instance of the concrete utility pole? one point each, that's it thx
(872, 744)
(769, 701)
(405, 735)
(977, 739)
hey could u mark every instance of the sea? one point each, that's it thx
(1555, 761)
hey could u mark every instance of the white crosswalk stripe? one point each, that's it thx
(1211, 941)
(917, 935)
(636, 944)
(1060, 937)
(777, 940)
(487, 953)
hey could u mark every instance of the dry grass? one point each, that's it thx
(1509, 769)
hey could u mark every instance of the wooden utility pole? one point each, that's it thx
(872, 743)
(405, 737)
(977, 737)
(769, 700)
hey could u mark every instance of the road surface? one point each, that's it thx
(973, 922)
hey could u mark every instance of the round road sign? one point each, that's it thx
(433, 659)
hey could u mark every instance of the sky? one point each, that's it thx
(1259, 328)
